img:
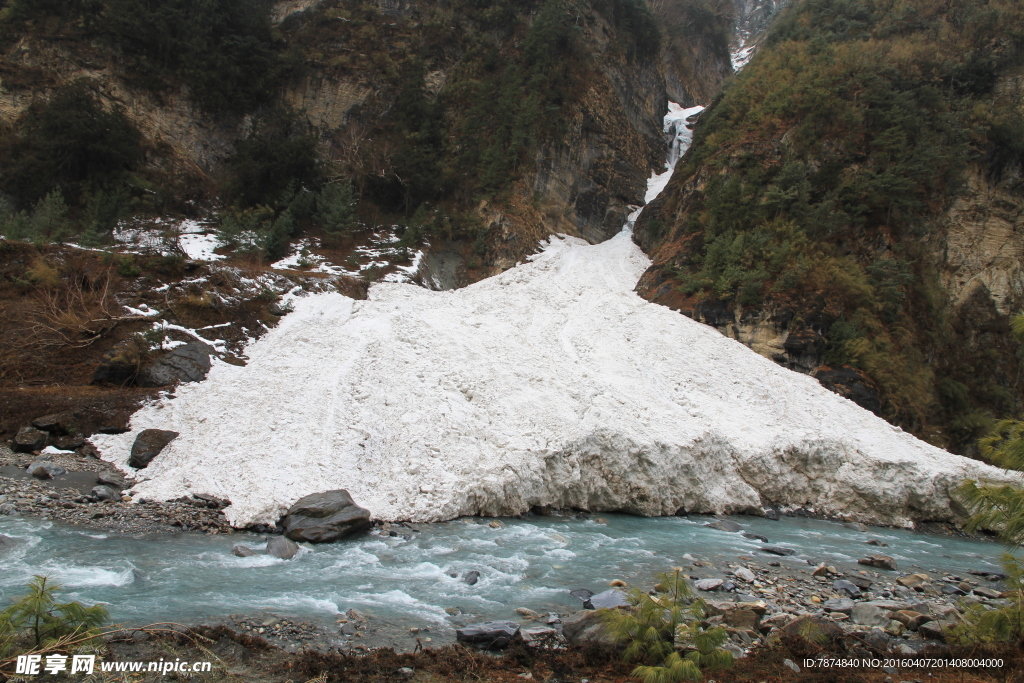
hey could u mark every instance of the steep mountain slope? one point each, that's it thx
(852, 207)
(488, 125)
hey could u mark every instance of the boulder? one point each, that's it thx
(776, 550)
(493, 635)
(586, 629)
(29, 440)
(69, 443)
(609, 599)
(582, 593)
(243, 551)
(772, 514)
(45, 470)
(746, 619)
(909, 618)
(987, 593)
(56, 424)
(861, 582)
(281, 547)
(744, 574)
(987, 574)
(934, 630)
(148, 444)
(539, 635)
(841, 605)
(813, 629)
(724, 525)
(879, 561)
(757, 606)
(275, 308)
(188, 363)
(912, 580)
(708, 584)
(105, 493)
(212, 502)
(110, 479)
(877, 639)
(471, 577)
(846, 587)
(325, 517)
(866, 614)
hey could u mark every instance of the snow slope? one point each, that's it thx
(550, 384)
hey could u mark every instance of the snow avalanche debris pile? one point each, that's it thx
(550, 384)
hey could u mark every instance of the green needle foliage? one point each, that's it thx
(1000, 508)
(39, 618)
(336, 208)
(663, 632)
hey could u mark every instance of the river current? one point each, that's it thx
(414, 577)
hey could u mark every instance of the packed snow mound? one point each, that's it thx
(550, 384)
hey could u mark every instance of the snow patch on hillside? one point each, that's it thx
(550, 384)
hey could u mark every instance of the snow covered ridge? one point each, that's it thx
(550, 384)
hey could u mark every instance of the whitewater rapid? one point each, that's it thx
(553, 383)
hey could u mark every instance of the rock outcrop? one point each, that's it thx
(187, 363)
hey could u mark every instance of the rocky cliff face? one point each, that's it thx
(982, 250)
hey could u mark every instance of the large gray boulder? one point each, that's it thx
(148, 445)
(188, 363)
(867, 614)
(45, 470)
(587, 629)
(493, 635)
(281, 547)
(105, 493)
(609, 599)
(325, 517)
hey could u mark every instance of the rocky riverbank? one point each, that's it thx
(79, 489)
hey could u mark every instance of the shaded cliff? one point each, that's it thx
(851, 207)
